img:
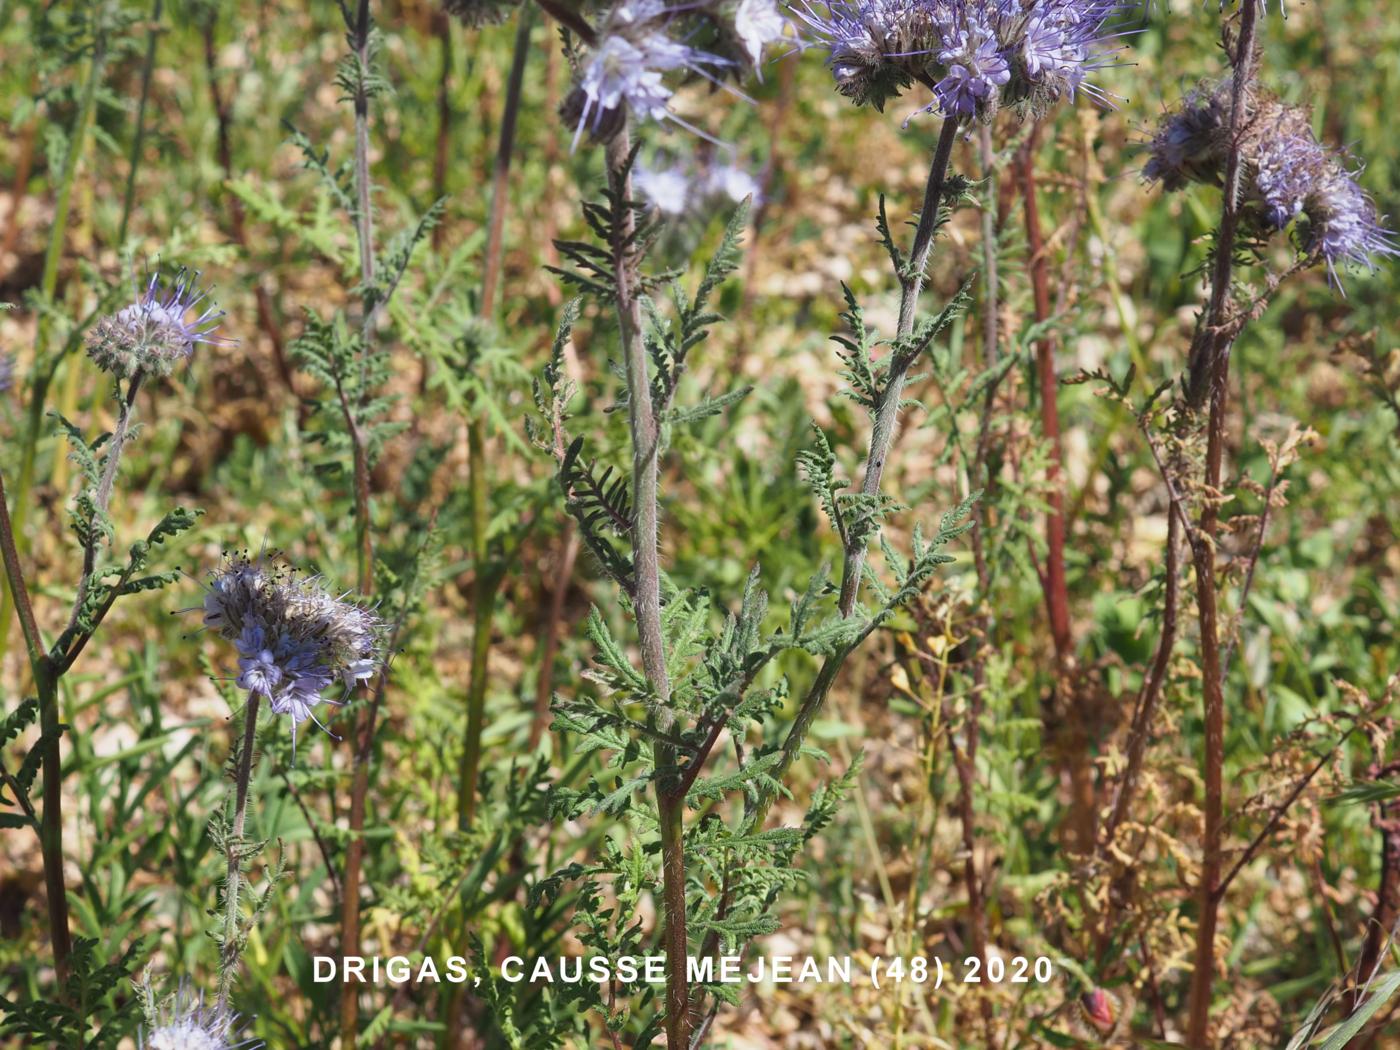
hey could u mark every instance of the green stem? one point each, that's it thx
(646, 596)
(484, 590)
(881, 440)
(43, 374)
(911, 283)
(46, 685)
(233, 845)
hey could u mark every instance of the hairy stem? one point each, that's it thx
(46, 685)
(360, 34)
(1210, 361)
(486, 584)
(646, 597)
(102, 498)
(364, 225)
(881, 438)
(233, 846)
(1145, 711)
(911, 283)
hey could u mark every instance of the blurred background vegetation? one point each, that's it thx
(198, 168)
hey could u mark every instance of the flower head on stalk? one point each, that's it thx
(668, 190)
(1343, 226)
(7, 371)
(295, 640)
(876, 48)
(183, 1022)
(627, 68)
(975, 55)
(976, 64)
(677, 190)
(1290, 179)
(157, 331)
(1189, 142)
(757, 24)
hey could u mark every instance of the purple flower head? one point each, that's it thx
(758, 23)
(976, 67)
(1189, 143)
(295, 640)
(158, 331)
(876, 48)
(1343, 225)
(1286, 168)
(258, 669)
(681, 189)
(627, 67)
(668, 190)
(7, 371)
(976, 55)
(183, 1022)
(1063, 42)
(1288, 176)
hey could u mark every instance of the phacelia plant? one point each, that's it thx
(977, 56)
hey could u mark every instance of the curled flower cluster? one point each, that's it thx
(677, 190)
(156, 332)
(635, 51)
(1288, 175)
(295, 640)
(7, 371)
(185, 1023)
(976, 55)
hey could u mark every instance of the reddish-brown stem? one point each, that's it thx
(544, 686)
(1056, 593)
(1209, 374)
(267, 318)
(442, 27)
(1068, 728)
(1203, 555)
(487, 579)
(24, 164)
(500, 171)
(1144, 713)
(1384, 917)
